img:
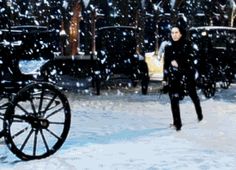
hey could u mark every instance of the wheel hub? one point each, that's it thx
(38, 122)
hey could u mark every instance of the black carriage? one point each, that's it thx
(35, 115)
(216, 54)
(115, 57)
(118, 55)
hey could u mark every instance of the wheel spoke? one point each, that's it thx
(20, 132)
(54, 112)
(41, 100)
(57, 123)
(44, 140)
(53, 134)
(21, 108)
(35, 142)
(1, 116)
(26, 140)
(50, 103)
(33, 107)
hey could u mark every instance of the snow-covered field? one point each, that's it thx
(122, 130)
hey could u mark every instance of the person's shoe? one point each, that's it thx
(177, 127)
(200, 117)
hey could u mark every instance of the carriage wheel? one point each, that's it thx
(227, 77)
(144, 78)
(225, 84)
(37, 121)
(96, 83)
(209, 90)
(144, 85)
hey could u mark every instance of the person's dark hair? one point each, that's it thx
(181, 30)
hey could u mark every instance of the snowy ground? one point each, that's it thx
(124, 130)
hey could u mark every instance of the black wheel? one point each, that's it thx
(96, 83)
(225, 84)
(208, 82)
(144, 84)
(98, 86)
(209, 90)
(227, 76)
(37, 121)
(144, 78)
(134, 83)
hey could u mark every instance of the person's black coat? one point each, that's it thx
(180, 79)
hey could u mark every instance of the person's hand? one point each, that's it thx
(174, 63)
(164, 88)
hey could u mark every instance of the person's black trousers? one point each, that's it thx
(176, 110)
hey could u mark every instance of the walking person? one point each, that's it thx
(179, 74)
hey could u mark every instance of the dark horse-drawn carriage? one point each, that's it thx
(116, 57)
(35, 115)
(216, 56)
